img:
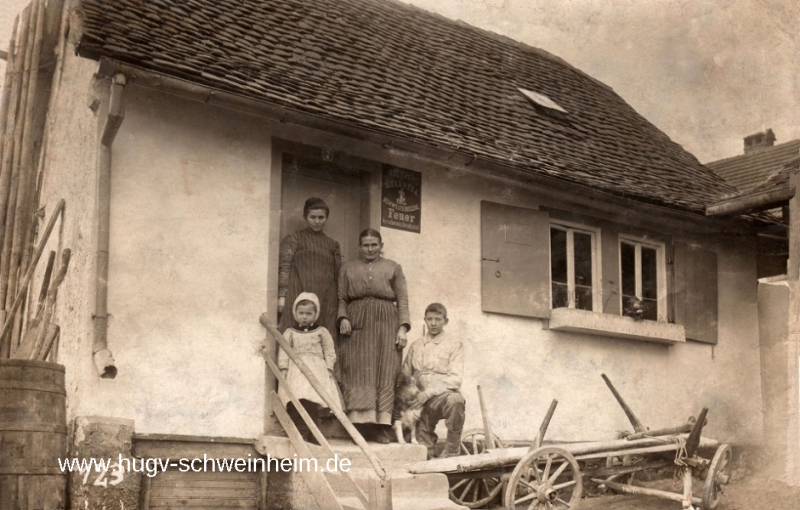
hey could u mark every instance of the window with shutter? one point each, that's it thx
(515, 253)
(643, 279)
(695, 294)
(574, 275)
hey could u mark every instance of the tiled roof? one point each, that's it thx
(398, 70)
(757, 167)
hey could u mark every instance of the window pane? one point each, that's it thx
(583, 259)
(558, 256)
(583, 298)
(560, 295)
(628, 262)
(650, 309)
(649, 274)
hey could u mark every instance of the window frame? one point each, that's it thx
(662, 297)
(597, 281)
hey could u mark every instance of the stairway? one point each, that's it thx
(409, 491)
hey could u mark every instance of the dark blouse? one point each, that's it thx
(382, 279)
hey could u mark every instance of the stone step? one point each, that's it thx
(406, 503)
(393, 456)
(403, 483)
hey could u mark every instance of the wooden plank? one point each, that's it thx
(202, 502)
(8, 492)
(204, 492)
(175, 450)
(189, 481)
(263, 484)
(171, 476)
(320, 489)
(193, 439)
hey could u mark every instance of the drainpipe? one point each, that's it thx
(103, 359)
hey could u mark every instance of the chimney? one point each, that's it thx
(759, 140)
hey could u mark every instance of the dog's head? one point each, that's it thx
(406, 388)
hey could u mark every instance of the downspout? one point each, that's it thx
(103, 359)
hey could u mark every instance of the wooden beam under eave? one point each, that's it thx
(792, 397)
(752, 202)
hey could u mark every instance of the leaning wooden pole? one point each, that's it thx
(50, 305)
(328, 399)
(23, 215)
(29, 160)
(537, 442)
(637, 425)
(10, 171)
(488, 437)
(5, 113)
(17, 190)
(42, 243)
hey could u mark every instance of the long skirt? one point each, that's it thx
(370, 360)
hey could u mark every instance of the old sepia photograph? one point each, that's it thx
(399, 254)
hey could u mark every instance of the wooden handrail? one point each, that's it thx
(312, 426)
(312, 379)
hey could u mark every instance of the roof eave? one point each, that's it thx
(440, 155)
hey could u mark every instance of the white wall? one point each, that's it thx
(522, 367)
(188, 264)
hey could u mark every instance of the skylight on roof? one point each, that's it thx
(542, 100)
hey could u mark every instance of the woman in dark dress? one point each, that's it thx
(373, 322)
(310, 262)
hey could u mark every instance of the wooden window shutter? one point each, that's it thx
(515, 266)
(694, 296)
(610, 269)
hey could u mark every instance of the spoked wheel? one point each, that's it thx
(547, 478)
(479, 491)
(719, 474)
(473, 442)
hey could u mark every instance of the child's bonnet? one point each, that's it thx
(306, 296)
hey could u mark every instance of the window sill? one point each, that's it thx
(617, 326)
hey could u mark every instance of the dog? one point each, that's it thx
(405, 398)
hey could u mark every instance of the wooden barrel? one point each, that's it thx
(33, 435)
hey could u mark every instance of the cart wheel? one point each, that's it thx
(476, 491)
(479, 491)
(546, 478)
(473, 442)
(719, 474)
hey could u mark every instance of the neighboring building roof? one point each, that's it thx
(398, 70)
(755, 168)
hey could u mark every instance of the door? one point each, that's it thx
(344, 189)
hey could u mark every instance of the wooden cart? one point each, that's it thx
(542, 476)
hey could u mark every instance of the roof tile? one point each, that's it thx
(398, 70)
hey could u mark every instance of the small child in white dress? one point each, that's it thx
(314, 345)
